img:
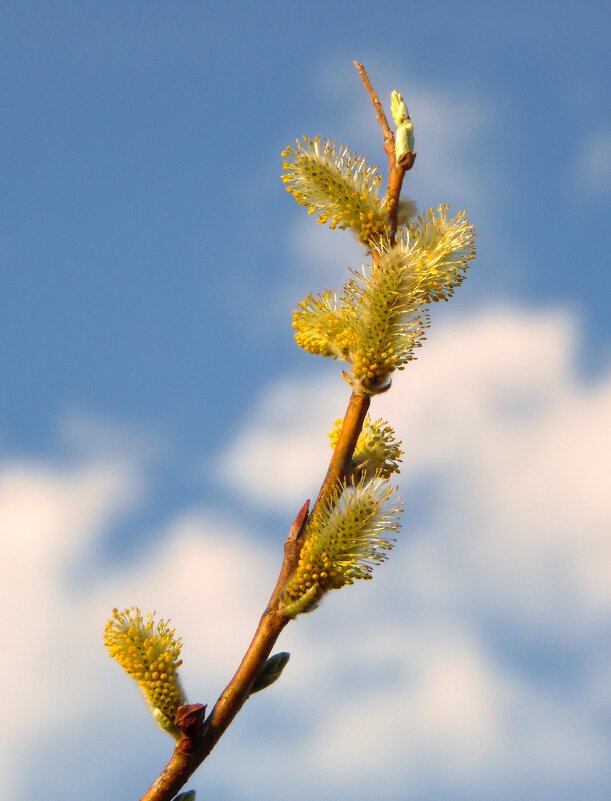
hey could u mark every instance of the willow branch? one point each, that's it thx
(199, 735)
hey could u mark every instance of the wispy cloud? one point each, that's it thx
(203, 573)
(593, 164)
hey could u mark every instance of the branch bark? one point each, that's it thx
(339, 466)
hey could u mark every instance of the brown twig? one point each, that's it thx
(193, 749)
(379, 109)
(200, 736)
(339, 466)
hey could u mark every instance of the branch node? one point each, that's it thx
(190, 720)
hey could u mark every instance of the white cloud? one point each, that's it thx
(278, 456)
(513, 447)
(48, 519)
(407, 677)
(497, 401)
(201, 572)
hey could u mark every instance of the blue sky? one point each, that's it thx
(152, 394)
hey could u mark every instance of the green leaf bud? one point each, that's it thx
(404, 140)
(270, 672)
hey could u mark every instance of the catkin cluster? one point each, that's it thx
(374, 324)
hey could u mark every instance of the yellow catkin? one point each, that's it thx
(337, 185)
(149, 653)
(376, 452)
(347, 537)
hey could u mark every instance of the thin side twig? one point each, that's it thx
(379, 108)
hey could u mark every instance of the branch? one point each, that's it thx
(379, 109)
(195, 745)
(339, 466)
(199, 736)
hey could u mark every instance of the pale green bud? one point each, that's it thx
(404, 140)
(404, 136)
(398, 109)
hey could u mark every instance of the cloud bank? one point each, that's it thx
(471, 667)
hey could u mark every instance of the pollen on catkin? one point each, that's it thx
(345, 539)
(389, 320)
(336, 185)
(321, 326)
(381, 315)
(377, 453)
(439, 251)
(149, 653)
